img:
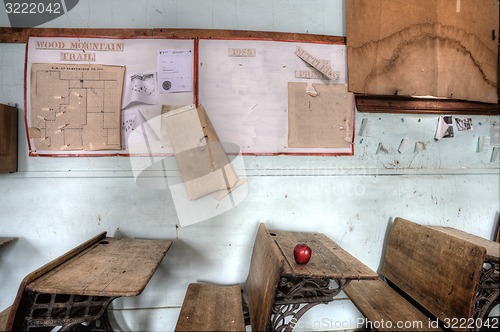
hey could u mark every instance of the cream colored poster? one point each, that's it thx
(76, 107)
(320, 116)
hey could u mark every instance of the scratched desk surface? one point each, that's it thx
(328, 259)
(111, 267)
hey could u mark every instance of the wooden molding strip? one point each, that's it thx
(410, 105)
(20, 35)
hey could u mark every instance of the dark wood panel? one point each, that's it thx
(409, 105)
(8, 139)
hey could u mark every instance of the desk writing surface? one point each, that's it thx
(492, 247)
(112, 267)
(328, 259)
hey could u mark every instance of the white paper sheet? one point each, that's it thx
(444, 127)
(140, 88)
(175, 71)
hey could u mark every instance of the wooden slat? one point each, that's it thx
(492, 247)
(378, 302)
(328, 259)
(439, 272)
(410, 105)
(262, 280)
(5, 240)
(211, 308)
(112, 267)
(20, 35)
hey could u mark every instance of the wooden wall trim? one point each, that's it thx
(409, 105)
(20, 35)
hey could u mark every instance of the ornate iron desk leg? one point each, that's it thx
(70, 312)
(488, 293)
(295, 296)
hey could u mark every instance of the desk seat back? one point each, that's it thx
(438, 271)
(262, 281)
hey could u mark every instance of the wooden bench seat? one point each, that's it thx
(436, 273)
(380, 303)
(226, 315)
(220, 308)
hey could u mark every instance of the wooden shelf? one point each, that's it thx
(410, 105)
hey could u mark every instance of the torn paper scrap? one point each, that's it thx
(495, 155)
(483, 143)
(463, 124)
(419, 146)
(381, 149)
(404, 145)
(495, 134)
(444, 127)
(311, 91)
(366, 128)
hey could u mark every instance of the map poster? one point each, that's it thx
(76, 106)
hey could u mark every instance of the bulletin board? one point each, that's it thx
(269, 97)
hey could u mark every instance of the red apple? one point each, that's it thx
(302, 253)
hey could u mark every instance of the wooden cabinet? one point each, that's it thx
(8, 139)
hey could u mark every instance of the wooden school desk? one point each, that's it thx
(77, 287)
(302, 287)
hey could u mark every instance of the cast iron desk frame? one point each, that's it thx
(302, 287)
(77, 287)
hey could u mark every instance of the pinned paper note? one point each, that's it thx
(444, 127)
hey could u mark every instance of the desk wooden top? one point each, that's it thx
(110, 267)
(328, 259)
(492, 247)
(5, 240)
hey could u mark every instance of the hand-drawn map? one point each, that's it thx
(76, 107)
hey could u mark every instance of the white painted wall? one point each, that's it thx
(53, 204)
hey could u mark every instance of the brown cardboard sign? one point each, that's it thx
(440, 48)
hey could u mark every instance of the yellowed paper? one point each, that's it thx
(321, 121)
(76, 107)
(203, 164)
